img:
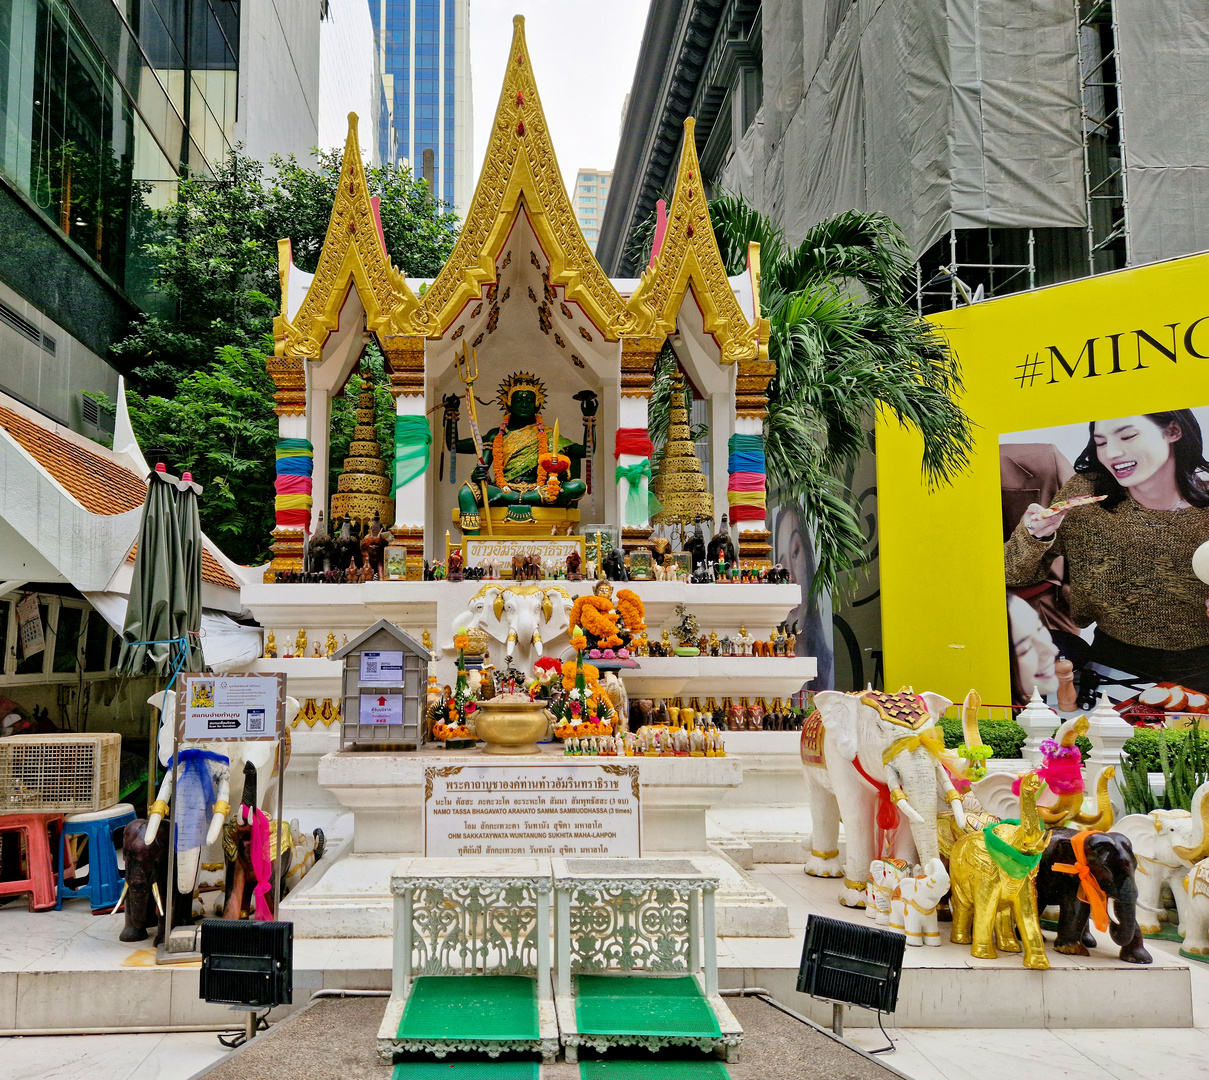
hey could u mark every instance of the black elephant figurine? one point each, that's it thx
(1108, 857)
(147, 865)
(613, 567)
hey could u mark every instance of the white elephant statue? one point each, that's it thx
(1196, 906)
(1167, 844)
(185, 783)
(913, 905)
(519, 620)
(871, 760)
(884, 876)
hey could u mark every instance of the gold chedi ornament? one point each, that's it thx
(680, 486)
(363, 486)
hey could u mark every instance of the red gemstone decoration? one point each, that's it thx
(520, 59)
(352, 226)
(689, 230)
(520, 127)
(351, 187)
(520, 97)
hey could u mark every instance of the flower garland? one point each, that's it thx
(629, 603)
(596, 615)
(497, 451)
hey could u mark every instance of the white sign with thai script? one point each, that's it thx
(589, 809)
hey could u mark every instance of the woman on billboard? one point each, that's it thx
(1127, 525)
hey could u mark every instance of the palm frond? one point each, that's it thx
(736, 224)
(866, 248)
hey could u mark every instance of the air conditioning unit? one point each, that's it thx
(61, 774)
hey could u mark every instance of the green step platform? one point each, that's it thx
(640, 1005)
(468, 1070)
(653, 1070)
(481, 1008)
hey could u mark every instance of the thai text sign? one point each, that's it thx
(502, 810)
(478, 548)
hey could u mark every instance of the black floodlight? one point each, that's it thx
(247, 963)
(851, 964)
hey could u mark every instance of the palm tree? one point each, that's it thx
(845, 344)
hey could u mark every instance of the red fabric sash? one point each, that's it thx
(633, 440)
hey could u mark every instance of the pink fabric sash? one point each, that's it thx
(262, 866)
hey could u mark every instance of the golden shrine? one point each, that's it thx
(521, 290)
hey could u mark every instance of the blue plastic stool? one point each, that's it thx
(104, 877)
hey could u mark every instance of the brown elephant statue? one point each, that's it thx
(147, 866)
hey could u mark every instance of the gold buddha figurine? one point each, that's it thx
(300, 642)
(330, 646)
(666, 641)
(715, 646)
(426, 640)
(270, 646)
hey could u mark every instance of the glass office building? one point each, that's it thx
(101, 104)
(424, 59)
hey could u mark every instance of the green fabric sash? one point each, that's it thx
(413, 437)
(1012, 861)
(640, 502)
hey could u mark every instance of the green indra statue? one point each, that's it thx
(520, 464)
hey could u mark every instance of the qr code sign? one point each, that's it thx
(255, 725)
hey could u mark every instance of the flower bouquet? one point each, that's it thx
(582, 710)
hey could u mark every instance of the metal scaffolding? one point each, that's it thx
(1103, 137)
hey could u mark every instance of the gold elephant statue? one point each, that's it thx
(994, 880)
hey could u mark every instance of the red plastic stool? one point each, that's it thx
(33, 836)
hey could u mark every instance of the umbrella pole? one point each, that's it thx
(153, 752)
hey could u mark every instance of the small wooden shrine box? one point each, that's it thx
(385, 681)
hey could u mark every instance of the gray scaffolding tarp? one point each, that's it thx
(943, 114)
(1164, 69)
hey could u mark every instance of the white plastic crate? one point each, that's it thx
(70, 774)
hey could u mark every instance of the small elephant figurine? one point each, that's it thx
(613, 566)
(884, 876)
(1079, 865)
(914, 902)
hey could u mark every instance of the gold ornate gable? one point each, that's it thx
(521, 174)
(353, 256)
(689, 258)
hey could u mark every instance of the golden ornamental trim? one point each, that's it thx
(689, 259)
(353, 256)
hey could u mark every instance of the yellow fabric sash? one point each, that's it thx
(934, 744)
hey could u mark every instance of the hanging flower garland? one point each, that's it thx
(497, 451)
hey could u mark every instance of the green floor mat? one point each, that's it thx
(653, 1070)
(625, 1005)
(467, 1070)
(482, 1008)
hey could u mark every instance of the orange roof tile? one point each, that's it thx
(212, 569)
(98, 484)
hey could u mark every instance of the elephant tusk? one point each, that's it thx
(155, 891)
(121, 897)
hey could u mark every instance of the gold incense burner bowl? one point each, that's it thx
(511, 727)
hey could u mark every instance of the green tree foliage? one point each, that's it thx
(845, 345)
(198, 391)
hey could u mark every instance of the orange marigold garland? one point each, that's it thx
(629, 603)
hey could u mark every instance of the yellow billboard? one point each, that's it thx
(1094, 390)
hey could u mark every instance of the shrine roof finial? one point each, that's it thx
(520, 174)
(688, 257)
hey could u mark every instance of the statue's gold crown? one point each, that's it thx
(522, 380)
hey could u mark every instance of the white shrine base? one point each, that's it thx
(385, 792)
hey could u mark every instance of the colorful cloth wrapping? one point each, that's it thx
(262, 866)
(413, 439)
(295, 465)
(746, 489)
(640, 502)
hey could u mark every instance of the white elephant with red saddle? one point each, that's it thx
(874, 761)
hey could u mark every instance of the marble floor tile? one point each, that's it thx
(905, 1057)
(1003, 1054)
(1126, 1054)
